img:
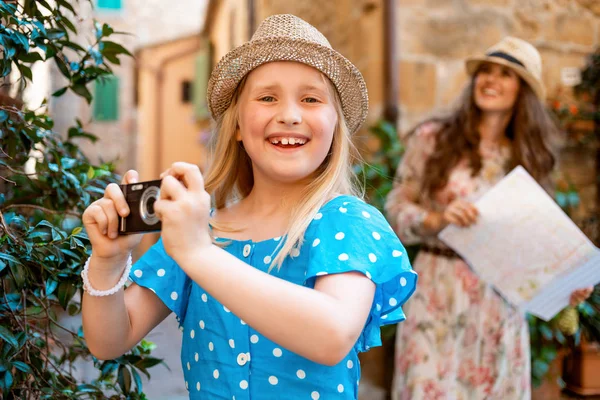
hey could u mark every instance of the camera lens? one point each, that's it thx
(150, 205)
(147, 201)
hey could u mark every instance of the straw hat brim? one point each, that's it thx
(473, 63)
(236, 64)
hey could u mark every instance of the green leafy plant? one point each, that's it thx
(45, 184)
(378, 172)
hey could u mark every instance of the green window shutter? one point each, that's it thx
(106, 99)
(202, 74)
(110, 4)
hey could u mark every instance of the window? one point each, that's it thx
(186, 92)
(110, 4)
(106, 99)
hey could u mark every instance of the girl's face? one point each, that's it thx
(496, 88)
(287, 118)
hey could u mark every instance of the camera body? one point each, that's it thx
(142, 217)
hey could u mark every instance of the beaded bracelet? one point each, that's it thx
(98, 293)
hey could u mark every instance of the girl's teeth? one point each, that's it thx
(288, 141)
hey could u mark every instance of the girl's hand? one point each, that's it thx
(183, 208)
(580, 295)
(461, 213)
(101, 221)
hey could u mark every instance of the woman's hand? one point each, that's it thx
(461, 213)
(101, 221)
(580, 295)
(183, 208)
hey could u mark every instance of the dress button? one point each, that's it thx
(242, 359)
(247, 250)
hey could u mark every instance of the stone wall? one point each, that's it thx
(436, 35)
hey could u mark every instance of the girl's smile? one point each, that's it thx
(287, 117)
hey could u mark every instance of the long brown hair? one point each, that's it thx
(530, 131)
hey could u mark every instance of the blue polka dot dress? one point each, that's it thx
(224, 358)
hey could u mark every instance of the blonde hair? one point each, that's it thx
(230, 177)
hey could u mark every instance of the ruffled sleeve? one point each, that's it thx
(349, 235)
(157, 271)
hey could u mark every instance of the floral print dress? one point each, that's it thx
(462, 340)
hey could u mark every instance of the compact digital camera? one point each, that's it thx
(141, 198)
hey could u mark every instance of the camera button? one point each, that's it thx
(246, 250)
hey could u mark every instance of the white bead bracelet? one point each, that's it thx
(98, 293)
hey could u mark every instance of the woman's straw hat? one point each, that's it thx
(518, 55)
(288, 38)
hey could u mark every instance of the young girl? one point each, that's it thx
(291, 275)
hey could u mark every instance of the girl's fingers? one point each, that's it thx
(114, 193)
(189, 174)
(130, 176)
(95, 216)
(161, 207)
(112, 217)
(171, 188)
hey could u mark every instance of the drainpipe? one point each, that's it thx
(391, 84)
(251, 18)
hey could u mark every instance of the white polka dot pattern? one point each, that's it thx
(345, 235)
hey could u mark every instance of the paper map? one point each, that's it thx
(525, 246)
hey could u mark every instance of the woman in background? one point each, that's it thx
(462, 340)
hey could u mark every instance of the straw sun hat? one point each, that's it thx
(518, 55)
(288, 38)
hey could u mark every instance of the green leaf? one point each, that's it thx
(66, 291)
(60, 92)
(8, 337)
(8, 380)
(25, 71)
(112, 47)
(51, 286)
(107, 30)
(9, 258)
(147, 345)
(62, 66)
(148, 362)
(22, 367)
(31, 57)
(65, 3)
(83, 92)
(138, 380)
(124, 379)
